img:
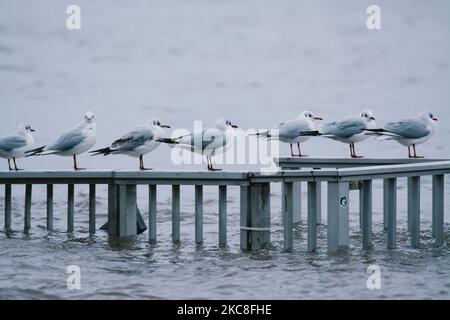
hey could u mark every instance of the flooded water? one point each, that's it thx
(256, 63)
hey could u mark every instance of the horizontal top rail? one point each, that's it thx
(296, 163)
(238, 178)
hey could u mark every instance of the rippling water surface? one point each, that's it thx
(258, 64)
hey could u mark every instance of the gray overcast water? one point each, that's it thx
(256, 62)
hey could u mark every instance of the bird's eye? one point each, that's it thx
(431, 116)
(228, 123)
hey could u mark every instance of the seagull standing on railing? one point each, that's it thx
(408, 132)
(208, 142)
(348, 131)
(137, 143)
(291, 131)
(72, 143)
(14, 146)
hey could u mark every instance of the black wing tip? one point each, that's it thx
(103, 151)
(34, 152)
(167, 140)
(311, 133)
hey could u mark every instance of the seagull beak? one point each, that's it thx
(372, 118)
(32, 130)
(234, 126)
(318, 118)
(435, 119)
(165, 126)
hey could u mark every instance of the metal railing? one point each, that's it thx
(254, 199)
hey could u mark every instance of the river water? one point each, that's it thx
(256, 63)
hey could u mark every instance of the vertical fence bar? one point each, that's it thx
(414, 210)
(438, 209)
(70, 207)
(297, 201)
(113, 217)
(28, 195)
(222, 216)
(175, 213)
(312, 215)
(198, 214)
(92, 208)
(366, 205)
(8, 207)
(260, 216)
(410, 199)
(288, 216)
(390, 207)
(319, 202)
(338, 216)
(152, 204)
(49, 207)
(385, 203)
(245, 217)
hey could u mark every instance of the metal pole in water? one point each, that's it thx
(92, 208)
(198, 214)
(312, 215)
(50, 207)
(28, 192)
(366, 206)
(260, 216)
(8, 207)
(385, 203)
(175, 213)
(245, 217)
(70, 207)
(438, 209)
(222, 216)
(288, 216)
(414, 210)
(390, 205)
(338, 216)
(152, 196)
(297, 201)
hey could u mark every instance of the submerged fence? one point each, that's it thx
(338, 174)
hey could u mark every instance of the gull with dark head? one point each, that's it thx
(207, 142)
(16, 145)
(137, 142)
(408, 132)
(292, 131)
(72, 143)
(349, 131)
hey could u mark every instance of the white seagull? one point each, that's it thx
(14, 146)
(408, 132)
(348, 131)
(136, 143)
(293, 131)
(72, 143)
(208, 142)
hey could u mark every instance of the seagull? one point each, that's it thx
(14, 146)
(291, 131)
(72, 143)
(408, 132)
(348, 131)
(136, 143)
(208, 142)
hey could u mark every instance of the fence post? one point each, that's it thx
(199, 214)
(312, 215)
(50, 207)
(255, 216)
(366, 206)
(222, 216)
(92, 208)
(175, 213)
(390, 207)
(438, 209)
(288, 215)
(70, 207)
(414, 210)
(338, 216)
(152, 206)
(28, 192)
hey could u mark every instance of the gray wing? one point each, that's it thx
(133, 139)
(409, 128)
(344, 129)
(292, 129)
(210, 138)
(10, 143)
(68, 141)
